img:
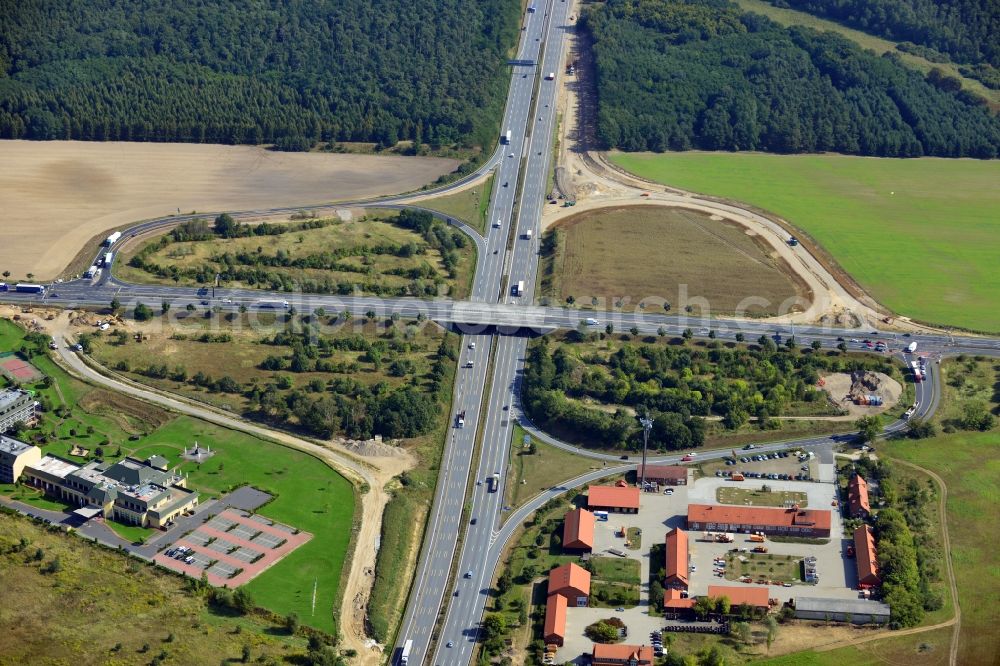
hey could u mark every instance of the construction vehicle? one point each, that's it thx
(757, 538)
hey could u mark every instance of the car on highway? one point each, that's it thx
(468, 574)
(450, 644)
(473, 521)
(620, 609)
(590, 321)
(687, 458)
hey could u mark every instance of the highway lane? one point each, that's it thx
(435, 566)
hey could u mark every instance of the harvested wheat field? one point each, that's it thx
(626, 255)
(58, 195)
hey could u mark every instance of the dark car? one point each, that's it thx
(624, 458)
(473, 521)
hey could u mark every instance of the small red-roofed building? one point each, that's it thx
(676, 560)
(621, 655)
(572, 581)
(619, 499)
(578, 531)
(857, 497)
(866, 558)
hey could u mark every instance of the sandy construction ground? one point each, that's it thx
(57, 195)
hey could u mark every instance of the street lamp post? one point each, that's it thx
(647, 424)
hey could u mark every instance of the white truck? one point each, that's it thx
(494, 482)
(404, 656)
(92, 272)
(507, 137)
(519, 288)
(528, 233)
(460, 419)
(912, 347)
(273, 305)
(106, 259)
(550, 76)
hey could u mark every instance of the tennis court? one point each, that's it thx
(18, 370)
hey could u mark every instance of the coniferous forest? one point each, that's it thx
(255, 71)
(684, 74)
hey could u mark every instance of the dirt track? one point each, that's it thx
(57, 195)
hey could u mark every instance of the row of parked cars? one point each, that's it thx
(804, 476)
(180, 553)
(656, 640)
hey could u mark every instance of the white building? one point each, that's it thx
(16, 406)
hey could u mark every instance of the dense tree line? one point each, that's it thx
(678, 385)
(966, 30)
(677, 75)
(228, 71)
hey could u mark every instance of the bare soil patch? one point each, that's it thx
(131, 415)
(632, 253)
(58, 195)
(840, 386)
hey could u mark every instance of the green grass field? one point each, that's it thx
(470, 205)
(921, 235)
(531, 473)
(309, 495)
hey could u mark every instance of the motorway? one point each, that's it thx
(496, 324)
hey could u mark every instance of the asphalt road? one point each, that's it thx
(505, 258)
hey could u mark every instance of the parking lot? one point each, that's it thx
(231, 548)
(660, 512)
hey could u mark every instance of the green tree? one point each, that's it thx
(116, 305)
(226, 226)
(869, 428)
(742, 632)
(164, 307)
(142, 312)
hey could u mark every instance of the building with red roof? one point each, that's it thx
(621, 499)
(621, 655)
(866, 558)
(572, 581)
(755, 597)
(677, 559)
(813, 523)
(857, 497)
(673, 600)
(666, 475)
(554, 632)
(578, 531)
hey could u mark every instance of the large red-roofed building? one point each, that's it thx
(677, 559)
(621, 655)
(865, 554)
(813, 523)
(857, 497)
(554, 632)
(621, 499)
(572, 581)
(578, 531)
(755, 597)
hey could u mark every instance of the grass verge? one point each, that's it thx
(471, 205)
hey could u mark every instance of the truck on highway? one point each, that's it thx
(273, 305)
(518, 289)
(404, 656)
(112, 239)
(494, 482)
(506, 138)
(918, 373)
(106, 259)
(3, 286)
(460, 419)
(550, 76)
(25, 288)
(531, 8)
(528, 233)
(912, 347)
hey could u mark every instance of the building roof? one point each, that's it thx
(751, 596)
(11, 396)
(857, 495)
(569, 576)
(134, 472)
(621, 653)
(159, 462)
(865, 555)
(663, 471)
(613, 496)
(672, 599)
(578, 529)
(555, 617)
(677, 557)
(853, 606)
(56, 467)
(759, 516)
(13, 447)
